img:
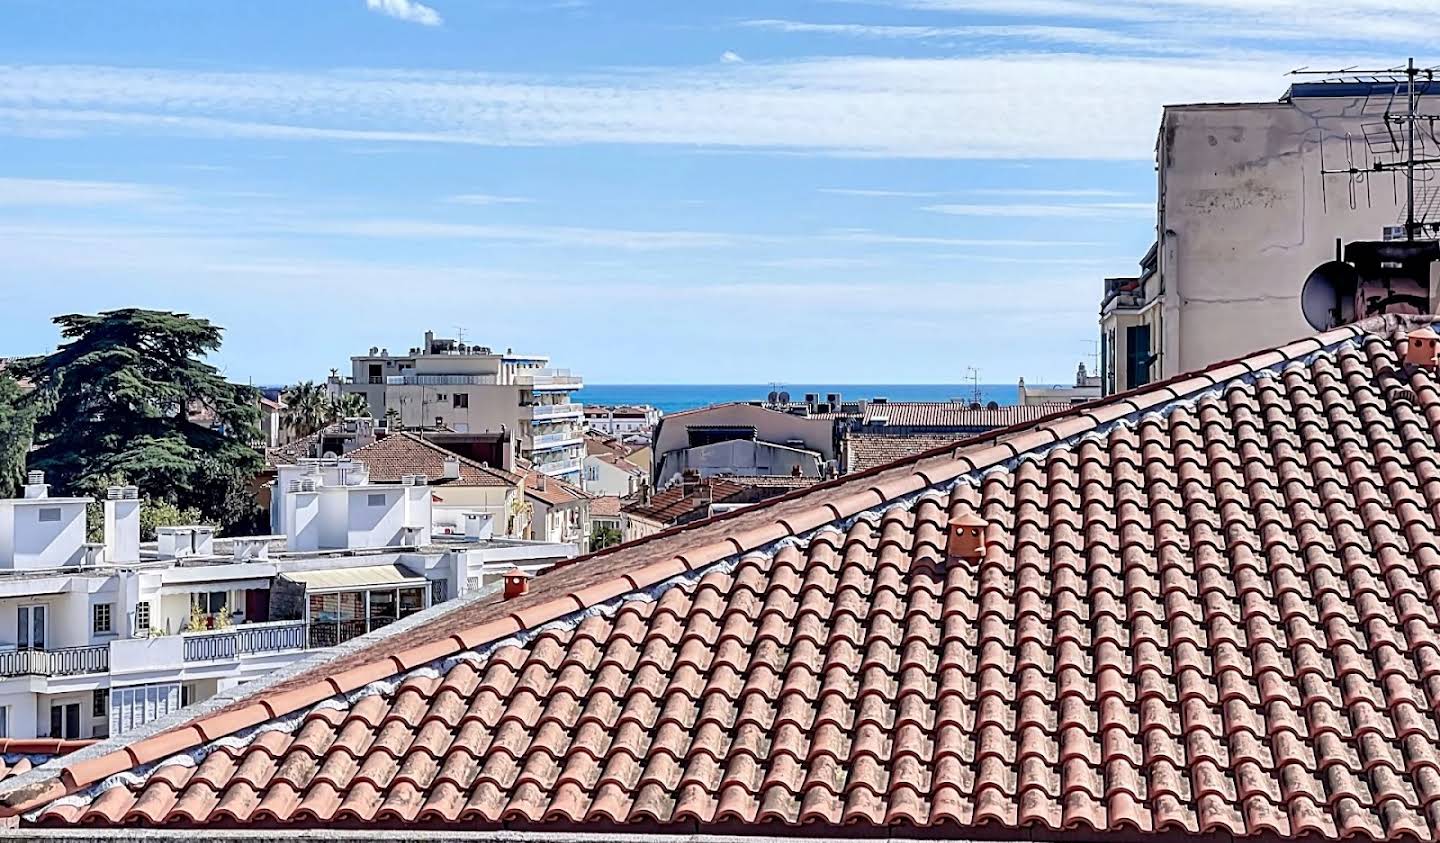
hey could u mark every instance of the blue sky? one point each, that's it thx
(677, 191)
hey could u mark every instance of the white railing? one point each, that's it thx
(556, 411)
(65, 661)
(245, 639)
(559, 378)
(552, 440)
(559, 467)
(440, 380)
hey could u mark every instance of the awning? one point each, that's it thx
(216, 584)
(350, 579)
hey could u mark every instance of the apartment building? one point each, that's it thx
(1245, 213)
(99, 638)
(624, 421)
(743, 439)
(449, 384)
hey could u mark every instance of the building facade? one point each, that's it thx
(98, 639)
(1244, 215)
(448, 384)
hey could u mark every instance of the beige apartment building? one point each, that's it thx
(446, 383)
(1245, 213)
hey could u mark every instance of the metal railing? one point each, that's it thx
(550, 440)
(66, 661)
(559, 466)
(440, 380)
(551, 411)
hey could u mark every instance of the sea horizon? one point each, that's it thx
(674, 398)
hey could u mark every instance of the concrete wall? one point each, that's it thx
(1242, 221)
(34, 543)
(742, 458)
(672, 435)
(603, 478)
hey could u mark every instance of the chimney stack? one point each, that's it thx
(517, 582)
(35, 486)
(452, 468)
(689, 481)
(966, 539)
(1421, 346)
(122, 524)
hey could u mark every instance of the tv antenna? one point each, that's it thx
(972, 377)
(1403, 141)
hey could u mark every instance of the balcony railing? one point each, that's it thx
(558, 467)
(556, 411)
(552, 440)
(440, 380)
(551, 378)
(67, 661)
(245, 640)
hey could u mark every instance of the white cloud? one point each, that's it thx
(546, 235)
(487, 199)
(1081, 36)
(406, 10)
(883, 238)
(72, 193)
(1089, 210)
(1070, 192)
(731, 57)
(941, 108)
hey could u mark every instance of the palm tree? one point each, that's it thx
(306, 408)
(349, 405)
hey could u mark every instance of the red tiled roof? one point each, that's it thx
(868, 450)
(391, 458)
(605, 506)
(1205, 607)
(673, 504)
(555, 491)
(957, 414)
(20, 756)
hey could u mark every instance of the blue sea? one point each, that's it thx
(671, 398)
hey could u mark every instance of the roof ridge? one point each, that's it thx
(464, 460)
(890, 483)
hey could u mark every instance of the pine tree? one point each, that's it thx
(17, 428)
(113, 400)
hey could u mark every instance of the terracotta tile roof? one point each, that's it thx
(672, 504)
(292, 452)
(864, 451)
(605, 506)
(620, 463)
(391, 458)
(774, 481)
(555, 492)
(1206, 607)
(957, 415)
(18, 757)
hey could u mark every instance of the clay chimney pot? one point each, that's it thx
(966, 538)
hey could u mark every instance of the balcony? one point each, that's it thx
(551, 379)
(551, 441)
(548, 412)
(440, 380)
(555, 468)
(248, 639)
(66, 661)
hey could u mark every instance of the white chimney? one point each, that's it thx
(540, 482)
(35, 486)
(122, 524)
(452, 468)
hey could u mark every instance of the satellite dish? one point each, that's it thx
(783, 398)
(1328, 297)
(974, 405)
(993, 405)
(773, 397)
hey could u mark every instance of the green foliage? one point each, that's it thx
(155, 514)
(604, 536)
(17, 429)
(309, 407)
(112, 402)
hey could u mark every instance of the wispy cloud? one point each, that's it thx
(1077, 36)
(879, 194)
(939, 108)
(72, 193)
(731, 57)
(487, 199)
(885, 238)
(406, 10)
(545, 235)
(1088, 210)
(1072, 192)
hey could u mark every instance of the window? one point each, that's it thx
(375, 500)
(100, 703)
(4, 721)
(49, 514)
(103, 618)
(209, 602)
(1137, 356)
(65, 721)
(30, 628)
(142, 618)
(462, 400)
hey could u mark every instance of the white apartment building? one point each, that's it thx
(97, 639)
(472, 389)
(622, 421)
